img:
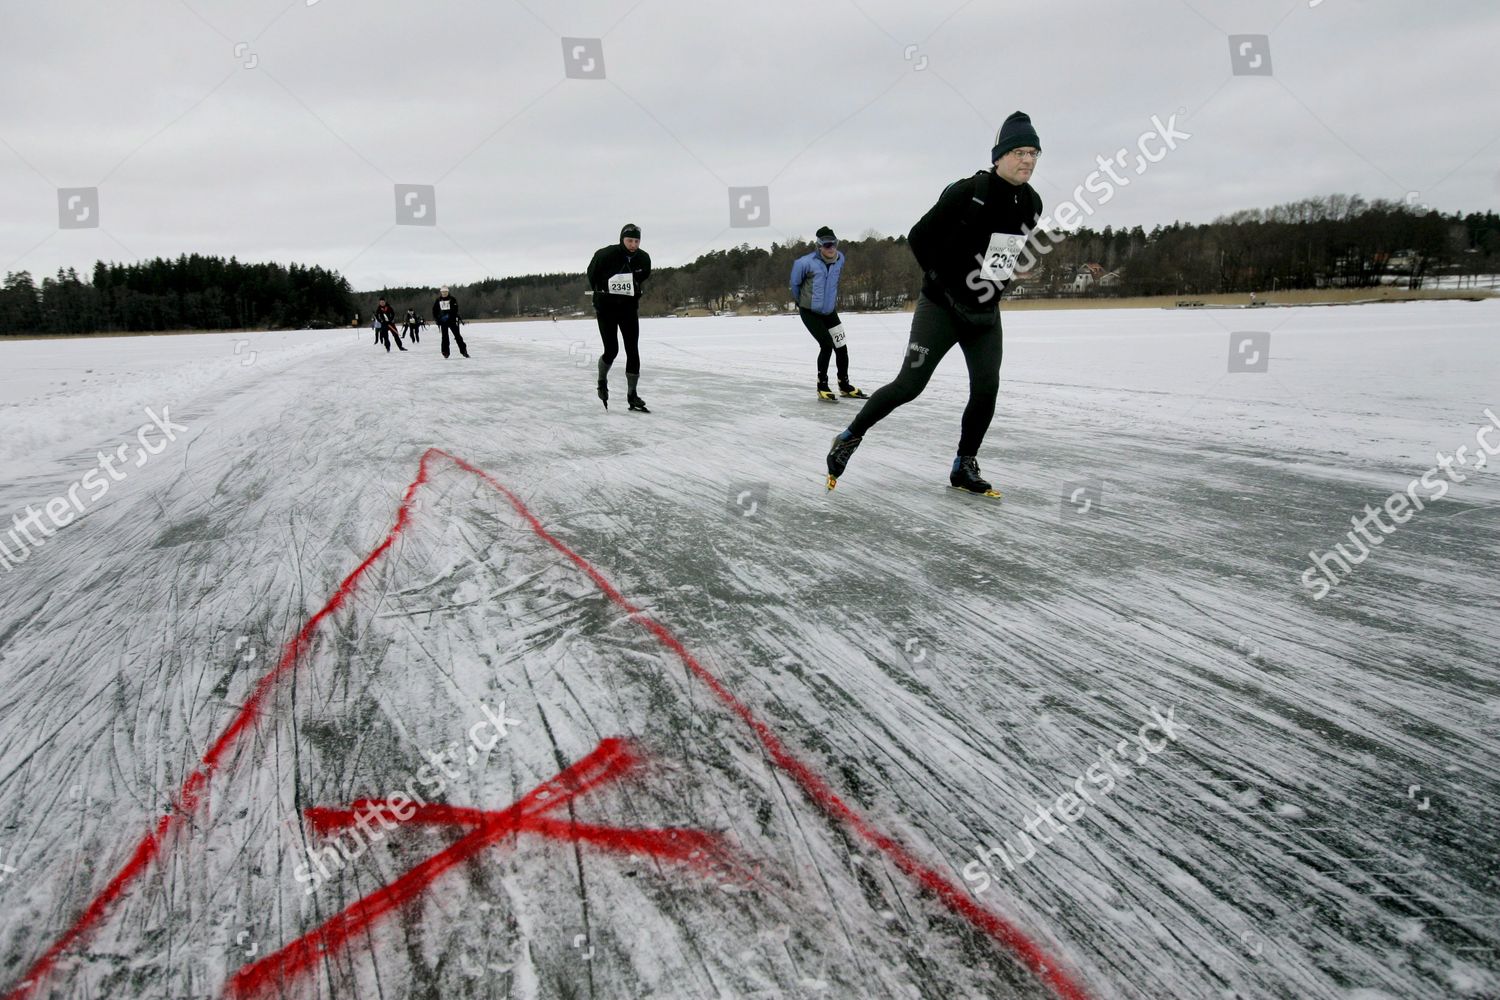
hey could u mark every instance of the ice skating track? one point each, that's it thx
(285, 963)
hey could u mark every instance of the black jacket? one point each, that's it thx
(386, 315)
(951, 240)
(610, 261)
(445, 309)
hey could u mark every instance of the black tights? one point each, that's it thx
(822, 327)
(451, 326)
(628, 323)
(934, 330)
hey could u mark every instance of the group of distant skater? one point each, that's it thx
(444, 313)
(968, 246)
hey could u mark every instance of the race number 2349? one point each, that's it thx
(1000, 258)
(622, 284)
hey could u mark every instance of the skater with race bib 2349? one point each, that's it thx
(618, 274)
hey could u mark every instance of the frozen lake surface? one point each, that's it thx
(753, 733)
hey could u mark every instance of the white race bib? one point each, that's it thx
(443, 305)
(838, 335)
(622, 284)
(1000, 258)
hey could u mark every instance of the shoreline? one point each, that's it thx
(1233, 300)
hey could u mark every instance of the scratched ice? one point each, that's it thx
(1326, 828)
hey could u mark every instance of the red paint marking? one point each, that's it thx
(945, 889)
(192, 788)
(669, 842)
(955, 898)
(609, 761)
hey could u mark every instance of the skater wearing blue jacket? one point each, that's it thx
(815, 289)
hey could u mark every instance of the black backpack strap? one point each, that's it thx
(982, 182)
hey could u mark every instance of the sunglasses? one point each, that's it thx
(828, 243)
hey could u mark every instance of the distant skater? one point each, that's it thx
(445, 314)
(385, 326)
(618, 274)
(815, 289)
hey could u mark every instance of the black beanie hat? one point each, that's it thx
(1015, 133)
(631, 230)
(825, 234)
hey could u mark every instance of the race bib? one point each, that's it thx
(622, 284)
(1000, 259)
(838, 335)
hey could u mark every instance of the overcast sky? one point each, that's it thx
(279, 131)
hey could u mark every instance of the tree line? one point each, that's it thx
(1331, 241)
(1334, 241)
(192, 292)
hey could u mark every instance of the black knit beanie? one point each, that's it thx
(631, 230)
(1015, 133)
(825, 234)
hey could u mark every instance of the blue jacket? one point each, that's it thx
(815, 282)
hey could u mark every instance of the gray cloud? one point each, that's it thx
(855, 115)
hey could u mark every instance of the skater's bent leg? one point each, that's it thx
(836, 337)
(933, 334)
(458, 339)
(907, 387)
(607, 327)
(819, 329)
(982, 352)
(630, 330)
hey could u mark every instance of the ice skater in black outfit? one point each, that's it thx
(617, 274)
(411, 325)
(445, 312)
(968, 245)
(385, 316)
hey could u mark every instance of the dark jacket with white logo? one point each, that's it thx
(951, 240)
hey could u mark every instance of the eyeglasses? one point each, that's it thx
(1027, 154)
